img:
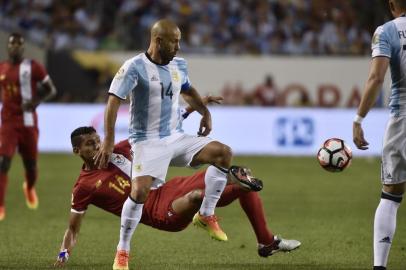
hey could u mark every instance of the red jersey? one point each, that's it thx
(18, 83)
(109, 188)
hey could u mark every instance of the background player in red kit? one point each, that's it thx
(109, 188)
(19, 79)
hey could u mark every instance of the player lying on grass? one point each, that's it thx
(109, 188)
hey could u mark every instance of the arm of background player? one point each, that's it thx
(70, 237)
(193, 98)
(49, 92)
(110, 115)
(40, 75)
(50, 89)
(379, 66)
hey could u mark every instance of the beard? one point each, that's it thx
(166, 56)
(15, 54)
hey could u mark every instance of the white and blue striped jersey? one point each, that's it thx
(154, 95)
(389, 40)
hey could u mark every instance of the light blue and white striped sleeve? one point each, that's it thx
(380, 43)
(182, 66)
(125, 80)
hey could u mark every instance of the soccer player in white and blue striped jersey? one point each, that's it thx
(388, 49)
(154, 81)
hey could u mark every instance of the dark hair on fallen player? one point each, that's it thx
(75, 136)
(401, 4)
(16, 35)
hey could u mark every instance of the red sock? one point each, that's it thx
(230, 194)
(3, 187)
(252, 205)
(31, 178)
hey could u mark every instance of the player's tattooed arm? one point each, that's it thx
(209, 99)
(69, 239)
(110, 116)
(193, 98)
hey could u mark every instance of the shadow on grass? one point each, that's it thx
(276, 266)
(90, 266)
(250, 266)
(211, 266)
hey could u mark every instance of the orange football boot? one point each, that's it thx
(31, 197)
(211, 225)
(2, 213)
(121, 260)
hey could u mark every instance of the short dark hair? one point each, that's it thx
(15, 35)
(75, 136)
(401, 3)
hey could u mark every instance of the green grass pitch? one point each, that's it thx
(331, 214)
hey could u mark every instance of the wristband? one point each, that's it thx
(358, 119)
(63, 255)
(184, 113)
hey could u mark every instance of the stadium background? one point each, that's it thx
(315, 57)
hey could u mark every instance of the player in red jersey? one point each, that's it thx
(20, 95)
(170, 207)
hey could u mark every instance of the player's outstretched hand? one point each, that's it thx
(102, 157)
(358, 137)
(212, 99)
(205, 124)
(62, 259)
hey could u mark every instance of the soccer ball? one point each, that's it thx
(334, 155)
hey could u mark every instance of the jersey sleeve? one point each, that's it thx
(39, 72)
(125, 80)
(123, 148)
(380, 43)
(81, 198)
(185, 81)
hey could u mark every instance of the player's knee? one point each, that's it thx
(195, 196)
(397, 189)
(140, 194)
(393, 192)
(223, 155)
(30, 165)
(227, 152)
(5, 163)
(140, 188)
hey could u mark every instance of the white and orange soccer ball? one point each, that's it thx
(334, 155)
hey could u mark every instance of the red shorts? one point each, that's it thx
(25, 138)
(158, 212)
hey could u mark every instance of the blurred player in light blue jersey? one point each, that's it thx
(154, 80)
(388, 49)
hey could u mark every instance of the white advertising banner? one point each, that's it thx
(327, 81)
(247, 130)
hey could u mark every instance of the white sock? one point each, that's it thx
(130, 217)
(215, 181)
(384, 227)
